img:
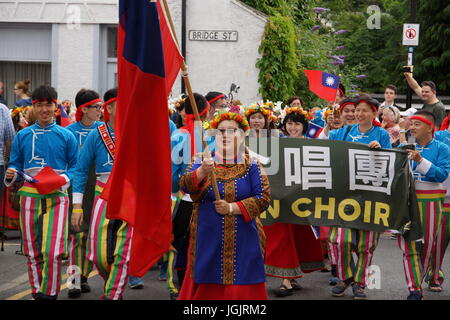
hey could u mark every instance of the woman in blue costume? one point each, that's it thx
(226, 246)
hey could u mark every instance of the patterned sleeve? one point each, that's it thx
(188, 181)
(252, 207)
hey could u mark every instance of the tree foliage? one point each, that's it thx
(290, 46)
(277, 65)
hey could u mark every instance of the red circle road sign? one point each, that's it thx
(411, 33)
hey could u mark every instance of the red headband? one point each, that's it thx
(79, 113)
(44, 99)
(423, 120)
(106, 115)
(373, 107)
(216, 98)
(109, 101)
(345, 104)
(342, 92)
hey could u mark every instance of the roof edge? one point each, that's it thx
(258, 14)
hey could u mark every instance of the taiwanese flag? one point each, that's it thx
(46, 181)
(324, 85)
(65, 120)
(139, 188)
(313, 131)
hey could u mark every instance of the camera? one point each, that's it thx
(408, 69)
(234, 88)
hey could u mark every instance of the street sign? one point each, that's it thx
(411, 34)
(213, 35)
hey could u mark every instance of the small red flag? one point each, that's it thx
(324, 85)
(48, 180)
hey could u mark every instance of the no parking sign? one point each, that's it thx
(411, 34)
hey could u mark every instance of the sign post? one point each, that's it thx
(411, 39)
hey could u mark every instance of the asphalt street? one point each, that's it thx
(391, 285)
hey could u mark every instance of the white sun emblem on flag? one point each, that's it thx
(329, 81)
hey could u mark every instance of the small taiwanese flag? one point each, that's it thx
(46, 181)
(324, 85)
(313, 131)
(65, 120)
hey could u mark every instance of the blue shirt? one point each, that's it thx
(92, 152)
(23, 103)
(443, 136)
(352, 134)
(80, 131)
(172, 126)
(435, 165)
(35, 147)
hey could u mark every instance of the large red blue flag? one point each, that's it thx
(139, 188)
(324, 85)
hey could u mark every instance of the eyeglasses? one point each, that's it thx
(97, 107)
(15, 89)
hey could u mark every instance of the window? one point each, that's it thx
(12, 72)
(112, 42)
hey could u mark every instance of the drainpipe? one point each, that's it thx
(183, 38)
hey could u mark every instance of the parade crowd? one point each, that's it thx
(57, 156)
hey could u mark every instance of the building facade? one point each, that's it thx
(73, 45)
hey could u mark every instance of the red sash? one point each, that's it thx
(108, 141)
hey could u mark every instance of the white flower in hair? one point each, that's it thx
(278, 106)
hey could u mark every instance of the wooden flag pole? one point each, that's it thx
(198, 121)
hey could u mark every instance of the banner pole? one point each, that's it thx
(187, 82)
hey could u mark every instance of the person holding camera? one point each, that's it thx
(427, 92)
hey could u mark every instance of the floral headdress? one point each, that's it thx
(335, 111)
(226, 115)
(258, 107)
(295, 110)
(18, 110)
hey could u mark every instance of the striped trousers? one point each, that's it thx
(78, 254)
(44, 227)
(436, 276)
(344, 241)
(417, 255)
(109, 248)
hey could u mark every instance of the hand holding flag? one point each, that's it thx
(46, 181)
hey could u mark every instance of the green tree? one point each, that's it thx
(277, 65)
(433, 53)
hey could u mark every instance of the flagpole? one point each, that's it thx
(187, 83)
